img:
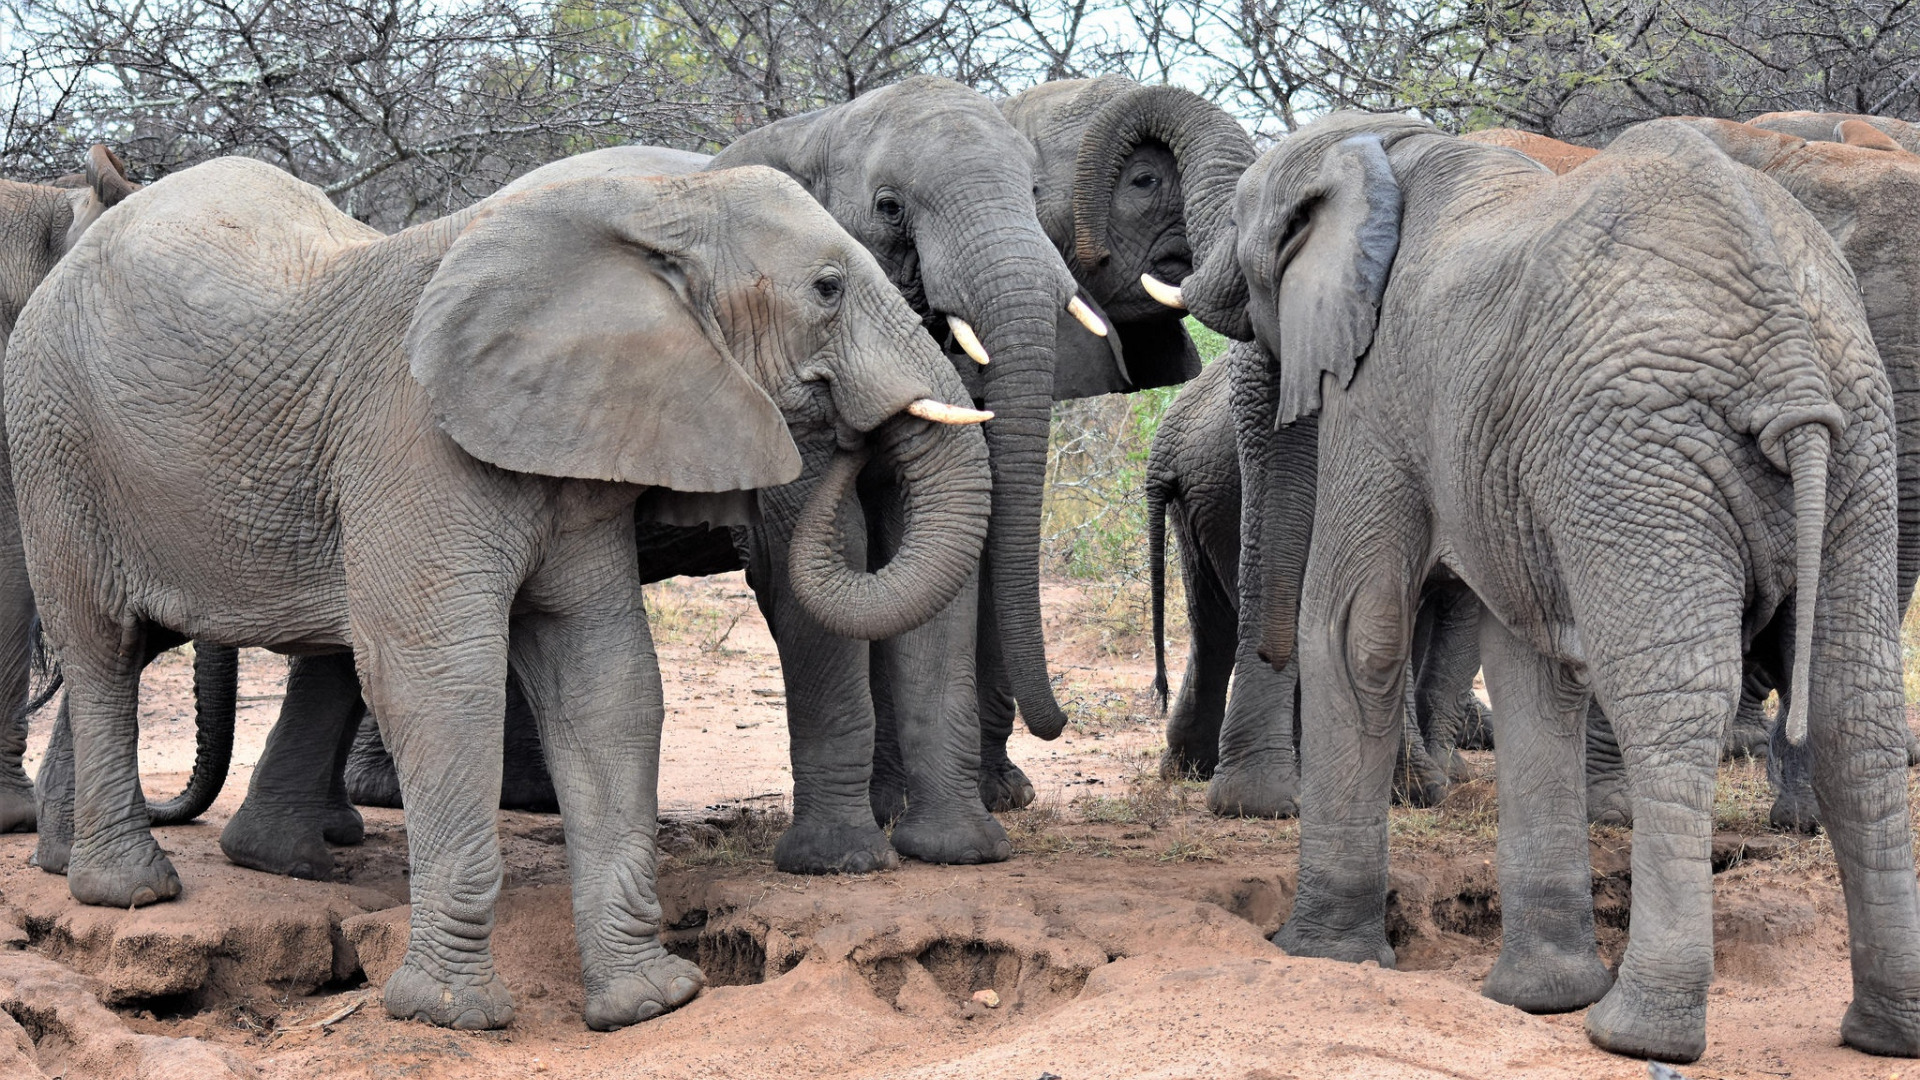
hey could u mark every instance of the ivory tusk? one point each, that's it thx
(1163, 292)
(942, 413)
(1087, 317)
(969, 341)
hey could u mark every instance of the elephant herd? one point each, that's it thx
(1632, 431)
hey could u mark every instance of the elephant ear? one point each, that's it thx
(1861, 133)
(568, 331)
(1333, 261)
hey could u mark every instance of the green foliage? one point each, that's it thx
(1094, 520)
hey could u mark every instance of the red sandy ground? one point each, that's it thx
(1126, 939)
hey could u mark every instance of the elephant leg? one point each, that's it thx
(524, 783)
(830, 720)
(1608, 800)
(592, 682)
(54, 798)
(292, 807)
(1447, 656)
(1790, 775)
(114, 860)
(1665, 664)
(1258, 774)
(17, 631)
(1750, 731)
(1363, 576)
(887, 791)
(368, 777)
(1417, 779)
(1548, 960)
(435, 674)
(1199, 709)
(928, 674)
(1003, 785)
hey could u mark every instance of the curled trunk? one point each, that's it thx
(1209, 147)
(216, 687)
(943, 478)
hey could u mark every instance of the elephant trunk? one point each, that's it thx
(1293, 477)
(1209, 148)
(944, 480)
(216, 679)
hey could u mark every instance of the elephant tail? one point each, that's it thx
(1157, 577)
(216, 687)
(1808, 449)
(43, 666)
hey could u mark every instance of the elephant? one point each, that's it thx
(1843, 127)
(426, 449)
(1193, 472)
(939, 188)
(1133, 186)
(1863, 189)
(927, 747)
(38, 224)
(1632, 484)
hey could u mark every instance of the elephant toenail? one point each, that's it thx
(143, 896)
(682, 988)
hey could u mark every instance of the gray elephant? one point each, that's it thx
(1144, 160)
(1193, 475)
(939, 188)
(1633, 408)
(38, 224)
(426, 448)
(1133, 187)
(1864, 193)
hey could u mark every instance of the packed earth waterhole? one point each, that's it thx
(1126, 938)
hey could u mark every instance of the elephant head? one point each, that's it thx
(40, 222)
(939, 187)
(1135, 186)
(670, 332)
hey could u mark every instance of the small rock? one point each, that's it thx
(988, 998)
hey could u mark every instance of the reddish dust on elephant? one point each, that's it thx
(1126, 938)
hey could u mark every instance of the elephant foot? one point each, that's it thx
(1259, 789)
(1913, 752)
(951, 839)
(1004, 787)
(1607, 801)
(806, 848)
(528, 788)
(143, 876)
(888, 796)
(18, 812)
(1745, 740)
(277, 843)
(1189, 757)
(664, 982)
(51, 853)
(1794, 811)
(1354, 946)
(468, 1003)
(371, 778)
(344, 826)
(1665, 1025)
(1887, 1026)
(1547, 980)
(1458, 769)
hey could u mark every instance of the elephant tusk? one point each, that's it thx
(942, 413)
(1087, 317)
(969, 341)
(1163, 292)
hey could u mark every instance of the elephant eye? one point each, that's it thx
(1145, 181)
(888, 207)
(828, 289)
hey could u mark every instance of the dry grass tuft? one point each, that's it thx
(694, 612)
